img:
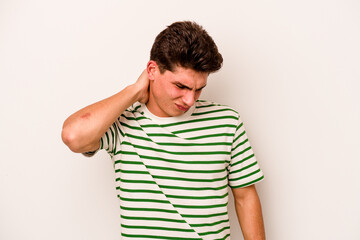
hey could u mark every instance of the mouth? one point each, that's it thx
(182, 108)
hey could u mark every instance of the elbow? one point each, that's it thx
(77, 142)
(69, 138)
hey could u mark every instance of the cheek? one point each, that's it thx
(160, 89)
(175, 92)
(197, 95)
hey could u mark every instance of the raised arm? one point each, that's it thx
(82, 130)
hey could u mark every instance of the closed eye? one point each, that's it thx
(180, 86)
(198, 90)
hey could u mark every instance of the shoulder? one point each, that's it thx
(134, 112)
(136, 107)
(208, 107)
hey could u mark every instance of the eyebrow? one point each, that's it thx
(187, 87)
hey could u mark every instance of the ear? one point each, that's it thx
(152, 70)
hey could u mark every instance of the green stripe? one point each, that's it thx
(190, 179)
(112, 134)
(137, 107)
(131, 171)
(107, 139)
(178, 144)
(119, 129)
(157, 237)
(248, 183)
(171, 196)
(204, 216)
(242, 152)
(132, 162)
(148, 209)
(174, 153)
(210, 105)
(172, 187)
(161, 135)
(209, 224)
(136, 181)
(213, 111)
(240, 135)
(185, 170)
(226, 236)
(197, 197)
(243, 160)
(191, 138)
(134, 118)
(239, 126)
(214, 232)
(205, 128)
(245, 176)
(240, 144)
(139, 137)
(244, 168)
(195, 144)
(211, 135)
(144, 200)
(182, 161)
(153, 125)
(200, 206)
(194, 188)
(101, 143)
(139, 190)
(153, 219)
(125, 153)
(197, 120)
(157, 228)
(134, 106)
(131, 127)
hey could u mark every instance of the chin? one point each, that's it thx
(172, 111)
(175, 113)
(178, 114)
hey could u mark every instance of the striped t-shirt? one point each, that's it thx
(172, 173)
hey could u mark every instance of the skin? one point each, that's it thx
(173, 93)
(248, 211)
(167, 94)
(82, 130)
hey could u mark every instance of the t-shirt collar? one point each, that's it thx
(164, 120)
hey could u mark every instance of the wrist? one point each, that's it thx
(134, 92)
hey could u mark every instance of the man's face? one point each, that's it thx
(173, 93)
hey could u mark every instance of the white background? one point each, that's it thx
(291, 68)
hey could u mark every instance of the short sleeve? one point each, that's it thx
(107, 141)
(244, 170)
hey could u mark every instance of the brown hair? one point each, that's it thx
(188, 45)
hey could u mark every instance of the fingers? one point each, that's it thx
(143, 86)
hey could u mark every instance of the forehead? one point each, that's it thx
(187, 76)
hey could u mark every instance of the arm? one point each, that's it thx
(82, 130)
(248, 210)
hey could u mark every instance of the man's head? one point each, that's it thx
(182, 57)
(188, 45)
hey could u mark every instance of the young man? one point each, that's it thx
(174, 155)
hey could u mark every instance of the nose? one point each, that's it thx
(189, 98)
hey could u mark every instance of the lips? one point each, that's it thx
(182, 108)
